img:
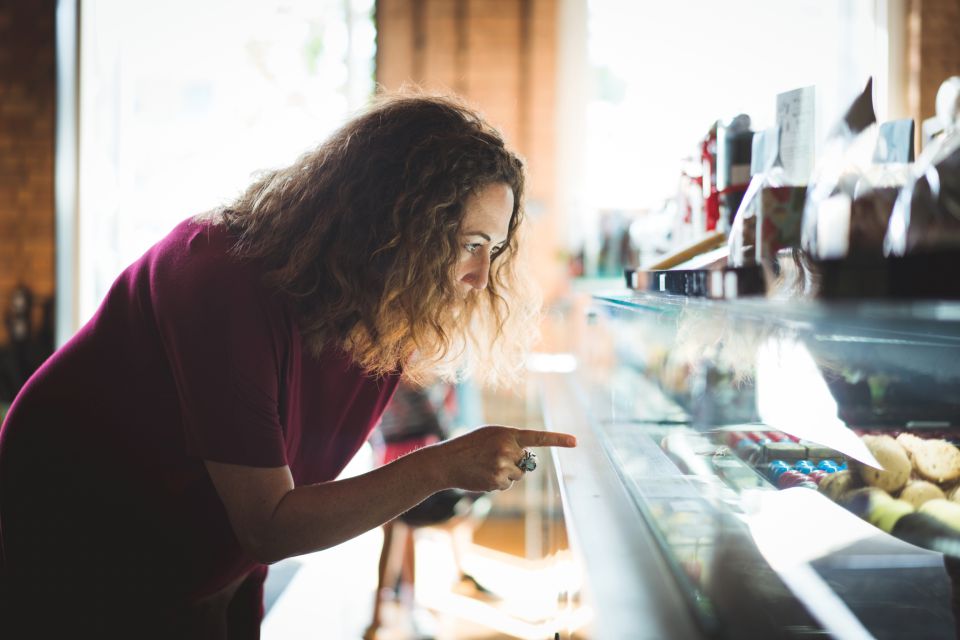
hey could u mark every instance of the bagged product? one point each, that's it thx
(828, 212)
(877, 189)
(926, 215)
(769, 216)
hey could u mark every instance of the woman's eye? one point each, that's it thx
(472, 247)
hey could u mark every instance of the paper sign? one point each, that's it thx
(795, 120)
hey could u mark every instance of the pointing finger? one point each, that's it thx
(531, 438)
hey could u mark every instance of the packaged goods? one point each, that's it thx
(877, 188)
(734, 147)
(926, 215)
(947, 114)
(948, 103)
(767, 174)
(770, 213)
(711, 196)
(828, 210)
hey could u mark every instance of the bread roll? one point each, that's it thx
(884, 514)
(837, 484)
(910, 443)
(919, 491)
(945, 511)
(937, 461)
(892, 457)
(952, 491)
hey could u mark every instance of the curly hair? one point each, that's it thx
(363, 236)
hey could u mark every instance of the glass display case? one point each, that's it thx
(792, 463)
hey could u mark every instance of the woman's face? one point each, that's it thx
(483, 234)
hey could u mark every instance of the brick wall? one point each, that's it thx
(27, 112)
(933, 53)
(501, 56)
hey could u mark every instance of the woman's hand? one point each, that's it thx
(273, 519)
(486, 459)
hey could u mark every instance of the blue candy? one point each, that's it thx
(828, 465)
(777, 468)
(804, 466)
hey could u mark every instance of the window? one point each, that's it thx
(663, 72)
(181, 102)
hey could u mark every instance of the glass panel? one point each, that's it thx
(182, 101)
(738, 428)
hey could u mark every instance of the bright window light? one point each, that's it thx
(183, 101)
(662, 72)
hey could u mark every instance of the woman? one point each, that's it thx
(190, 433)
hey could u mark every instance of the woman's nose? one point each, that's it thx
(479, 274)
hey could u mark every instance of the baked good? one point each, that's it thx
(787, 451)
(861, 500)
(884, 514)
(952, 491)
(835, 485)
(910, 443)
(946, 511)
(892, 457)
(937, 461)
(818, 452)
(919, 491)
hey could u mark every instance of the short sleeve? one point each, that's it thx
(224, 341)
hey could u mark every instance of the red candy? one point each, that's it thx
(791, 478)
(817, 475)
(733, 437)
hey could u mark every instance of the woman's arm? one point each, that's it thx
(273, 519)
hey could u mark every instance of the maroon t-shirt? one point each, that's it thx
(189, 358)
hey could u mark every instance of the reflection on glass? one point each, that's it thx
(736, 505)
(793, 397)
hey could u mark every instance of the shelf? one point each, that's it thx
(931, 322)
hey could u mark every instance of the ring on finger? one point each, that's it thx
(527, 462)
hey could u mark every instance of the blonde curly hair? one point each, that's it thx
(363, 235)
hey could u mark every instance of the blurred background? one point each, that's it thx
(149, 112)
(120, 118)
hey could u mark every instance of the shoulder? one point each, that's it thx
(197, 254)
(194, 270)
(198, 245)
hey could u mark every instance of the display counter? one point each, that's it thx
(723, 483)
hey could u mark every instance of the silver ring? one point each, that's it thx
(528, 462)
